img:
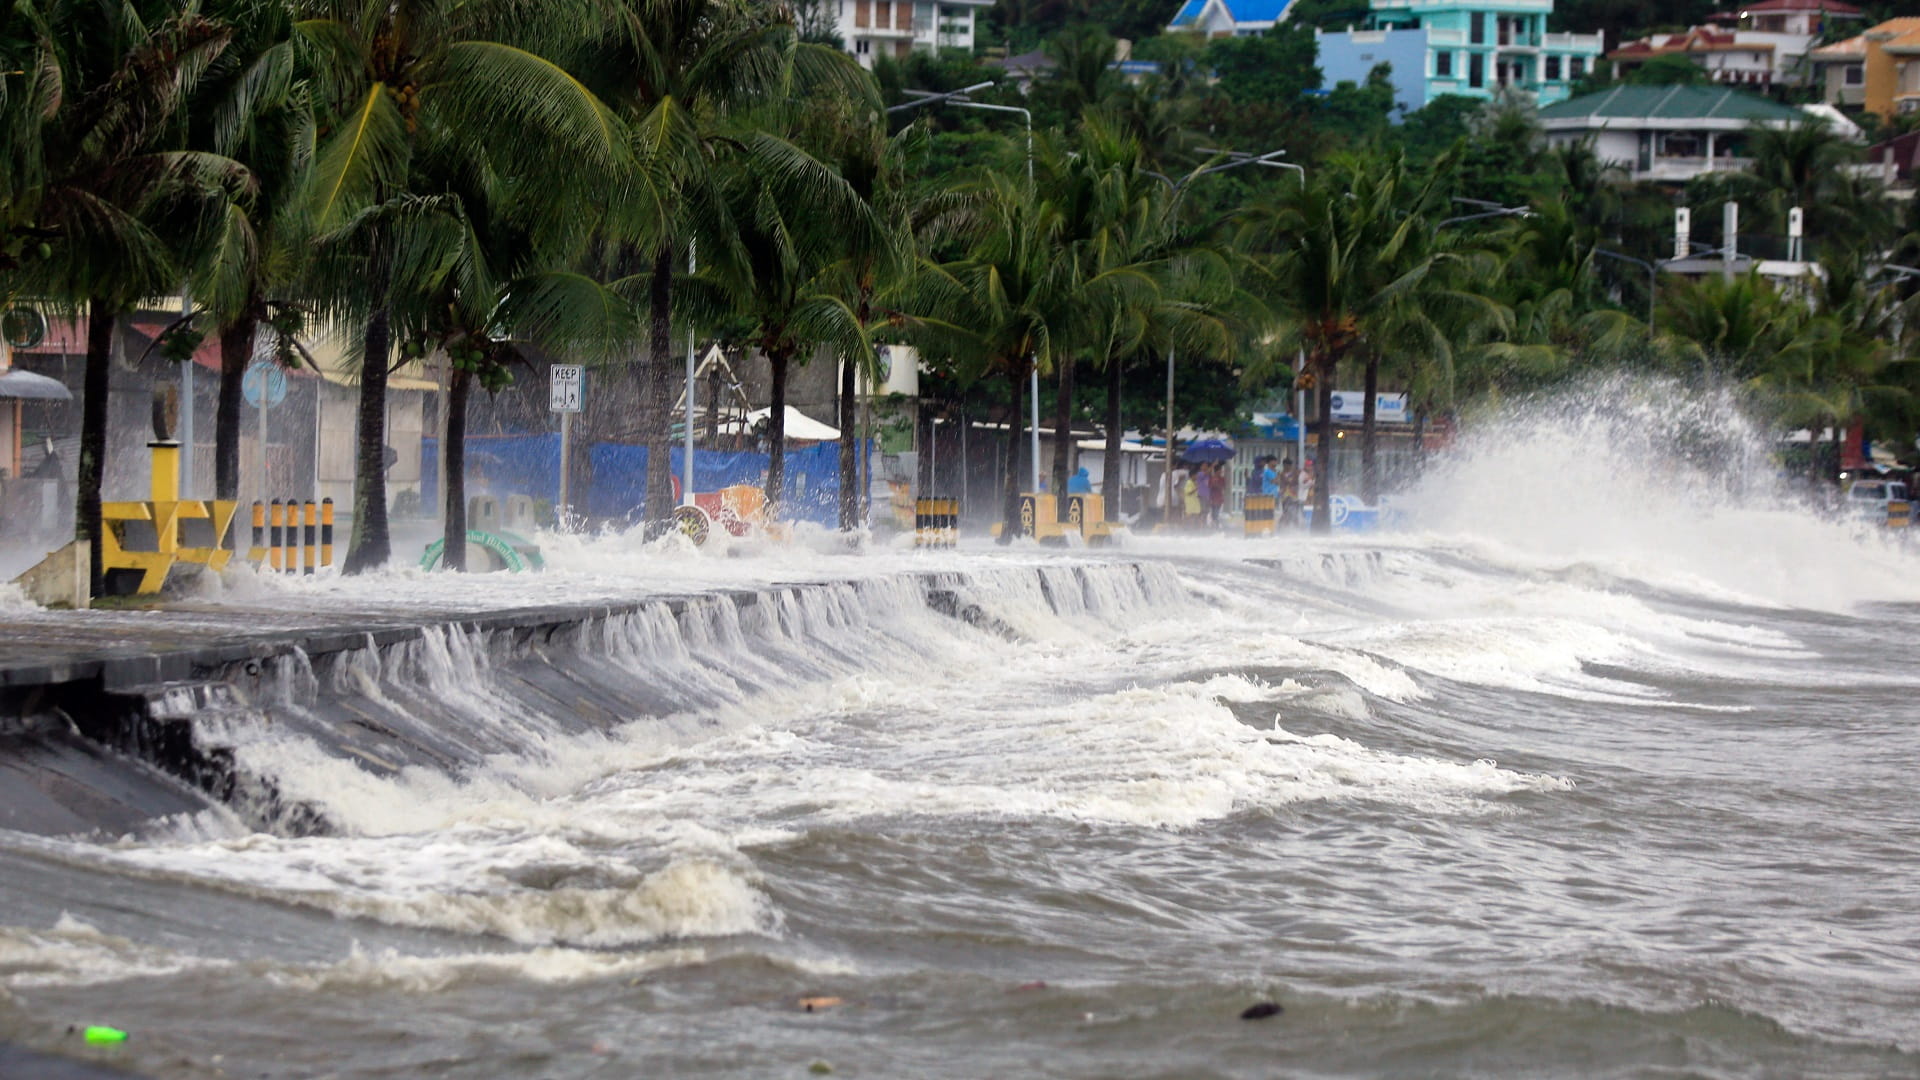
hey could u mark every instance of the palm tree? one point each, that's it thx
(679, 71)
(480, 260)
(792, 225)
(1804, 165)
(1016, 300)
(254, 107)
(1844, 362)
(1002, 308)
(1351, 267)
(107, 184)
(386, 72)
(870, 256)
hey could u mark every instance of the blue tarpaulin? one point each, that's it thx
(530, 464)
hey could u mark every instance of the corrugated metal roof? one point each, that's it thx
(1670, 103)
(1241, 11)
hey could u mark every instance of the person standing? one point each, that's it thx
(1289, 485)
(1216, 493)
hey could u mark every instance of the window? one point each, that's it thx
(1553, 69)
(1576, 67)
(862, 47)
(883, 14)
(860, 14)
(1443, 65)
(1856, 74)
(1476, 70)
(1477, 35)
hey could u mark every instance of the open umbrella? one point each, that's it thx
(25, 385)
(1207, 450)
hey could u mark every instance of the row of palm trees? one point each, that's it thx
(487, 181)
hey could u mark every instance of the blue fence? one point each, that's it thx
(530, 465)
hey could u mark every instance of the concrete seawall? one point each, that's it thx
(111, 720)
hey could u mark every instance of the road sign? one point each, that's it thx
(267, 376)
(565, 387)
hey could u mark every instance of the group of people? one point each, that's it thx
(1200, 490)
(1278, 477)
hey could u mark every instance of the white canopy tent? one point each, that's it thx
(800, 426)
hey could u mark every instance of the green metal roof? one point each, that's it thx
(1671, 103)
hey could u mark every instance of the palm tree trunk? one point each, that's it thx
(1110, 482)
(1369, 469)
(849, 462)
(371, 545)
(1016, 434)
(1063, 435)
(93, 435)
(1323, 454)
(454, 552)
(656, 414)
(1420, 438)
(236, 349)
(777, 360)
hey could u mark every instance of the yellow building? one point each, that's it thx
(1876, 70)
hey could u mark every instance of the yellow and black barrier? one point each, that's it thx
(1087, 515)
(170, 517)
(1899, 514)
(936, 522)
(291, 536)
(1257, 511)
(1040, 518)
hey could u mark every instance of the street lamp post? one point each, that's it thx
(959, 98)
(1653, 272)
(1653, 279)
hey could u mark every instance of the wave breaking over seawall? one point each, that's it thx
(1652, 481)
(377, 738)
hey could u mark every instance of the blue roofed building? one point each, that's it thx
(1240, 18)
(1470, 47)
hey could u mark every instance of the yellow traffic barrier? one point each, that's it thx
(167, 512)
(1899, 515)
(1257, 511)
(936, 522)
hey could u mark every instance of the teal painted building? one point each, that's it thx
(1469, 47)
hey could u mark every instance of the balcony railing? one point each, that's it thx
(1572, 42)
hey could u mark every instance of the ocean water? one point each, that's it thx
(1604, 767)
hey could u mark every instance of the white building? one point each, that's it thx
(870, 28)
(1668, 134)
(1762, 46)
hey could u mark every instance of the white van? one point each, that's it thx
(1871, 499)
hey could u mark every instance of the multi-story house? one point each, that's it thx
(1761, 46)
(870, 28)
(1470, 47)
(1671, 134)
(1876, 70)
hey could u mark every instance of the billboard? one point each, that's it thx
(1387, 408)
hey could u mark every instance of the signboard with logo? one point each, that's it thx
(1352, 405)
